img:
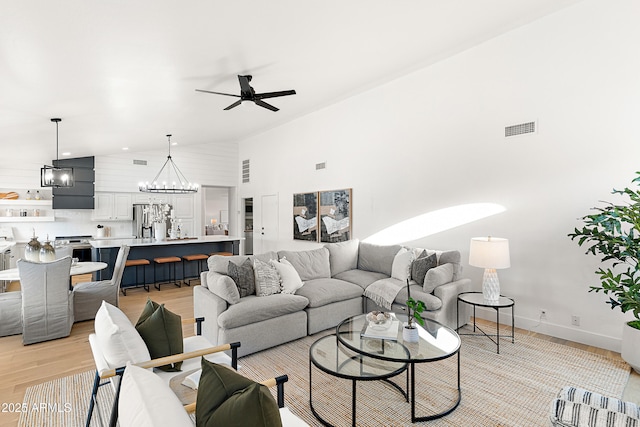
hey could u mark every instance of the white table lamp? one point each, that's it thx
(490, 253)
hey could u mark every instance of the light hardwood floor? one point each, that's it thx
(23, 366)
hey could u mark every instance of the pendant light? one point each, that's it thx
(172, 180)
(55, 176)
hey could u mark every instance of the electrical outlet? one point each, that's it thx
(543, 313)
(575, 320)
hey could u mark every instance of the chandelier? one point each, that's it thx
(54, 176)
(169, 179)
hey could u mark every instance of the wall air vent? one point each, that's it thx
(520, 129)
(246, 170)
(140, 162)
(322, 165)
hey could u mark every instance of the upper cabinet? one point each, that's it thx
(113, 207)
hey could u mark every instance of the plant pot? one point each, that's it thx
(631, 346)
(410, 334)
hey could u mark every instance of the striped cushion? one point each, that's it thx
(575, 407)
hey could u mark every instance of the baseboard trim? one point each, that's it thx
(554, 330)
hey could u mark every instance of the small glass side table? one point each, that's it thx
(476, 299)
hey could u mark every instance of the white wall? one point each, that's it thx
(434, 139)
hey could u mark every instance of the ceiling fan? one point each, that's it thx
(248, 94)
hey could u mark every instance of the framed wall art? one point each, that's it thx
(335, 215)
(305, 216)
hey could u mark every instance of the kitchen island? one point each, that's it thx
(106, 250)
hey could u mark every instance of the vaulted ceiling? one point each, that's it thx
(123, 73)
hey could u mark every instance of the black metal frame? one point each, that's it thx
(173, 281)
(497, 309)
(187, 280)
(144, 284)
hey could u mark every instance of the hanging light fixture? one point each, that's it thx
(175, 184)
(54, 176)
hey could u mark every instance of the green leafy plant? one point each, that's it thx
(414, 308)
(612, 233)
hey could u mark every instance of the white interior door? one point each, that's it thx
(268, 237)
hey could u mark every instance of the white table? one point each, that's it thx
(80, 268)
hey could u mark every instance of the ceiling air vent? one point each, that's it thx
(140, 162)
(520, 129)
(246, 169)
(322, 165)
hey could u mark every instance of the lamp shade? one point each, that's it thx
(489, 252)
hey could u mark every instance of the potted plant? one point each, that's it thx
(613, 233)
(414, 308)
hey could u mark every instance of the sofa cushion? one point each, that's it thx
(289, 278)
(243, 276)
(421, 265)
(343, 256)
(438, 276)
(360, 277)
(147, 401)
(321, 292)
(431, 301)
(267, 278)
(220, 263)
(401, 267)
(377, 258)
(161, 331)
(226, 398)
(313, 264)
(118, 338)
(223, 286)
(254, 309)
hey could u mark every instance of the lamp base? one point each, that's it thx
(490, 285)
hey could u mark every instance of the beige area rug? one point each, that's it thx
(514, 388)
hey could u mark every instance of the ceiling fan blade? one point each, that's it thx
(244, 84)
(217, 93)
(265, 105)
(274, 94)
(234, 105)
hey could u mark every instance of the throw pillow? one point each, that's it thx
(223, 286)
(401, 267)
(438, 276)
(161, 331)
(267, 278)
(118, 338)
(421, 265)
(243, 277)
(226, 398)
(289, 278)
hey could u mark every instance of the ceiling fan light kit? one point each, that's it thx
(176, 185)
(54, 176)
(247, 93)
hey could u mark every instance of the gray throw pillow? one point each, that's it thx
(421, 265)
(438, 276)
(243, 277)
(267, 278)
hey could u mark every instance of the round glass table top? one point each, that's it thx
(435, 341)
(476, 298)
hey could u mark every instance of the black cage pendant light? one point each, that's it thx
(54, 176)
(169, 180)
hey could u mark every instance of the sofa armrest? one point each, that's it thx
(448, 294)
(208, 305)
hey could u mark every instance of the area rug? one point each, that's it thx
(513, 388)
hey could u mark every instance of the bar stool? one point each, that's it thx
(189, 258)
(171, 261)
(221, 253)
(137, 263)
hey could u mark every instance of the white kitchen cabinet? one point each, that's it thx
(183, 206)
(113, 207)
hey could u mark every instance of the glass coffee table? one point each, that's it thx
(436, 342)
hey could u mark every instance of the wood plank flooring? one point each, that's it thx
(22, 366)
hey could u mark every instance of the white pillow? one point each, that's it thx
(290, 280)
(147, 401)
(267, 278)
(118, 338)
(401, 267)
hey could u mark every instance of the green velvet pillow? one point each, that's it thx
(161, 330)
(226, 398)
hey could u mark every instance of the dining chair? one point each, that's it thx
(47, 303)
(88, 296)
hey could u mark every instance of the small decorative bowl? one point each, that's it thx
(379, 319)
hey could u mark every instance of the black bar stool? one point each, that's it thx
(170, 261)
(137, 263)
(201, 259)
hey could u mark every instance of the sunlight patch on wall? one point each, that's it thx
(433, 222)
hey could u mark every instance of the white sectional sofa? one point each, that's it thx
(338, 281)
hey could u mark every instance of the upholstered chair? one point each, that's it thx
(88, 296)
(10, 313)
(47, 303)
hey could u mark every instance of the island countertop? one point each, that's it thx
(116, 243)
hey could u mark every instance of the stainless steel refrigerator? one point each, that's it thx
(143, 218)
